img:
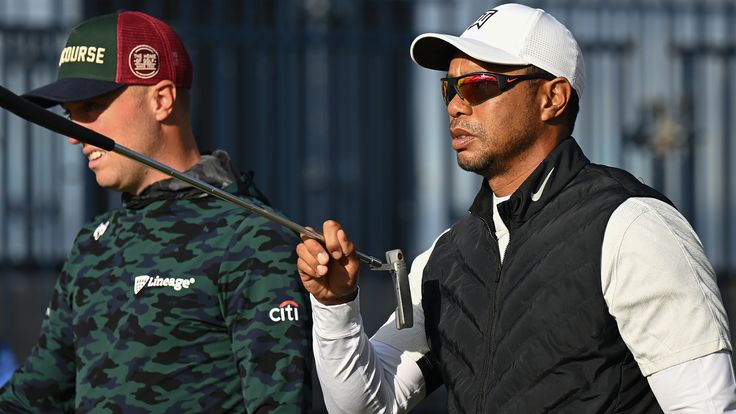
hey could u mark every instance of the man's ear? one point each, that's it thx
(163, 99)
(556, 96)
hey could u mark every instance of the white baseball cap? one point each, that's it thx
(509, 34)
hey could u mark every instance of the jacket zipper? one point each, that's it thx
(486, 363)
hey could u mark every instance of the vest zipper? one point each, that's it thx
(489, 346)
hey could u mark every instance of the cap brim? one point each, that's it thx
(435, 50)
(70, 90)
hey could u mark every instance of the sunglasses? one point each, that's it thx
(478, 87)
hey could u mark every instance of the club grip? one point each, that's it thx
(47, 119)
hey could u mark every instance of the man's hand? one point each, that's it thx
(329, 272)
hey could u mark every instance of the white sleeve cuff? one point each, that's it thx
(336, 321)
(704, 385)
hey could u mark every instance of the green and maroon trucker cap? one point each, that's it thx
(108, 52)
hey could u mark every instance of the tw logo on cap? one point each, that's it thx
(288, 310)
(144, 61)
(482, 19)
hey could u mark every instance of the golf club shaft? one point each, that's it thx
(59, 124)
(224, 195)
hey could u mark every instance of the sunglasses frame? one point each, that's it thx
(504, 83)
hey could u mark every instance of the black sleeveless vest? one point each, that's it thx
(533, 334)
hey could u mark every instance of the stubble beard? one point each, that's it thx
(494, 156)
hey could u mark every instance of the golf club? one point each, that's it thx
(396, 264)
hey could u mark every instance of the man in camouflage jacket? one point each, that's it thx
(178, 302)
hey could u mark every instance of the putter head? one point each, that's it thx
(397, 267)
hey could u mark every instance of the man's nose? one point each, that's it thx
(73, 141)
(458, 106)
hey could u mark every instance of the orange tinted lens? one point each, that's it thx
(448, 92)
(476, 89)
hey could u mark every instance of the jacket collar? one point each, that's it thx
(547, 180)
(215, 169)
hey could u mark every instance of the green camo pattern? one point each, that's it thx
(207, 343)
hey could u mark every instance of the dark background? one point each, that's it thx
(321, 100)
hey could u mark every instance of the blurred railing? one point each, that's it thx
(321, 100)
(41, 182)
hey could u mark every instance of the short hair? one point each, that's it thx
(184, 98)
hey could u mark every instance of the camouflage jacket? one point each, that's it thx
(177, 303)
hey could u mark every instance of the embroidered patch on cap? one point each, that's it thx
(143, 61)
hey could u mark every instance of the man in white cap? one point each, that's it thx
(570, 287)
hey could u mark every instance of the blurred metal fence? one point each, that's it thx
(321, 100)
(41, 183)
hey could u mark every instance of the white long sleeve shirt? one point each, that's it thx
(674, 325)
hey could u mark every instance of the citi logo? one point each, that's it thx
(288, 310)
(147, 281)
